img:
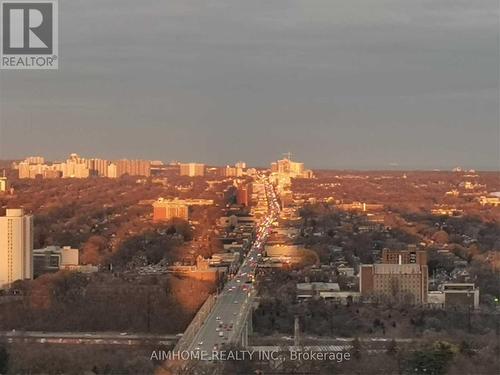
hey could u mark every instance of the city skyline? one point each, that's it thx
(265, 165)
(403, 85)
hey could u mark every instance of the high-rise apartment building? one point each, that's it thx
(192, 169)
(74, 167)
(98, 167)
(229, 171)
(77, 167)
(112, 171)
(35, 160)
(16, 247)
(133, 168)
(4, 184)
(290, 169)
(23, 169)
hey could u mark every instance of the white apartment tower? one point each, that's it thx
(16, 247)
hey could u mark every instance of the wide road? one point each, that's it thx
(232, 303)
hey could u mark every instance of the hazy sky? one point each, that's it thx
(340, 84)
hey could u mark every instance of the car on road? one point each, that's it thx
(221, 334)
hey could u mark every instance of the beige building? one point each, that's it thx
(78, 167)
(75, 167)
(27, 170)
(112, 171)
(229, 171)
(98, 167)
(16, 247)
(490, 200)
(4, 184)
(291, 169)
(166, 209)
(23, 169)
(192, 169)
(35, 160)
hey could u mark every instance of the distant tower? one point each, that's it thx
(296, 331)
(4, 185)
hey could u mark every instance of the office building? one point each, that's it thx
(16, 247)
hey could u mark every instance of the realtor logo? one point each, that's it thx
(29, 34)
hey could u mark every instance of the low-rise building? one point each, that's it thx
(460, 294)
(490, 200)
(167, 209)
(55, 258)
(316, 290)
(346, 271)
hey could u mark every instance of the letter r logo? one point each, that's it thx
(27, 27)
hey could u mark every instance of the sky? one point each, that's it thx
(409, 84)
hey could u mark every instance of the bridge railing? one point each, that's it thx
(246, 309)
(195, 325)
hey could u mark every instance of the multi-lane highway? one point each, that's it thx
(230, 310)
